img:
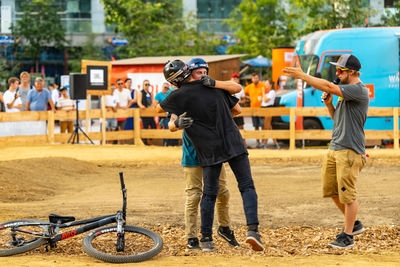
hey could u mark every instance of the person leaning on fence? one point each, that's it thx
(145, 100)
(125, 100)
(346, 154)
(55, 94)
(216, 139)
(253, 92)
(12, 99)
(24, 88)
(65, 103)
(160, 96)
(39, 97)
(112, 105)
(2, 108)
(268, 101)
(129, 125)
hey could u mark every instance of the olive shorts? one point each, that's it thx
(340, 171)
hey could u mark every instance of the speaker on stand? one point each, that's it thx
(78, 84)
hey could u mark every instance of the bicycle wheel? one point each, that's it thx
(20, 242)
(140, 244)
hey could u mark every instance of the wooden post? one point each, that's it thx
(292, 129)
(136, 126)
(50, 127)
(87, 123)
(396, 128)
(103, 119)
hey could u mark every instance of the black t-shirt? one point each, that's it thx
(213, 133)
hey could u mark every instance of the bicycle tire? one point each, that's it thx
(8, 249)
(87, 244)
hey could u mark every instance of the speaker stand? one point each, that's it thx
(75, 134)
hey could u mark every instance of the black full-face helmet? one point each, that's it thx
(176, 72)
(197, 63)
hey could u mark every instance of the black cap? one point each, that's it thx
(348, 61)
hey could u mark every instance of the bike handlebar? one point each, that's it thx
(121, 178)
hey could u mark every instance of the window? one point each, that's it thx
(212, 14)
(328, 71)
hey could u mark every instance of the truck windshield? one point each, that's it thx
(309, 65)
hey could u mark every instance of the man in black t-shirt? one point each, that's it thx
(216, 139)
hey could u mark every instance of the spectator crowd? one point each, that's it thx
(22, 95)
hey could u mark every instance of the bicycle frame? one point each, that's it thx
(89, 224)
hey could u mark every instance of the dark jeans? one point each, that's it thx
(148, 122)
(240, 166)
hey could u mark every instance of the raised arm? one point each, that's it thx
(317, 83)
(229, 86)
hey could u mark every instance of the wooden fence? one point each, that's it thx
(292, 134)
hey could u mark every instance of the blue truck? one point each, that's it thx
(377, 48)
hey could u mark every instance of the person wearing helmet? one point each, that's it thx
(194, 179)
(206, 114)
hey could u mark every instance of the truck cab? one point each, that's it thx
(377, 49)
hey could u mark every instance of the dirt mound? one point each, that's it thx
(37, 179)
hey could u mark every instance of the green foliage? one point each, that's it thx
(261, 25)
(330, 14)
(390, 18)
(6, 71)
(89, 50)
(156, 28)
(39, 27)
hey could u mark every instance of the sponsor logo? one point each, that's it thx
(393, 80)
(68, 234)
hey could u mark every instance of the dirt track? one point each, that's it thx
(83, 181)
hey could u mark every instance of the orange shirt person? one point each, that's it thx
(254, 92)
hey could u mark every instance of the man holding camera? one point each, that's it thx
(12, 100)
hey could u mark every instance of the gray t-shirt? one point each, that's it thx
(350, 115)
(23, 93)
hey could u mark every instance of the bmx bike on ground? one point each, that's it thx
(117, 243)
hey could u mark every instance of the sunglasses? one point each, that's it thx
(340, 70)
(147, 84)
(120, 83)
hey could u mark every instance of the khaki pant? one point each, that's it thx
(194, 190)
(66, 125)
(340, 171)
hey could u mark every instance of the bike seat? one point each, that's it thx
(54, 218)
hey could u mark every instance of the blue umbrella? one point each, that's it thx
(259, 61)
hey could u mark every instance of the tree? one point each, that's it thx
(330, 14)
(39, 27)
(89, 50)
(261, 25)
(392, 18)
(6, 71)
(155, 28)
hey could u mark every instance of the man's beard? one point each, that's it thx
(345, 80)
